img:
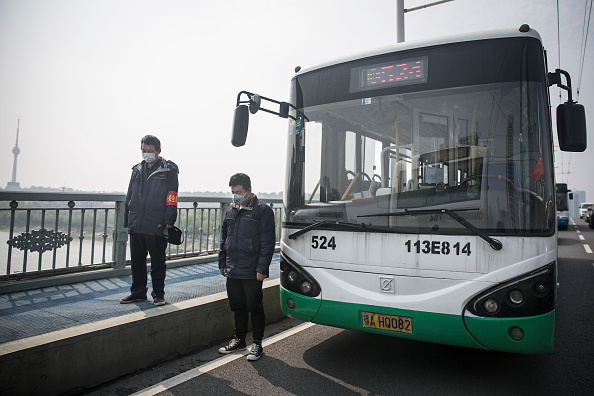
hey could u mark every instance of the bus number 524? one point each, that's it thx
(321, 242)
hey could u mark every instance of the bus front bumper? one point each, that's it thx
(537, 332)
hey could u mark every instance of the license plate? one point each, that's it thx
(372, 320)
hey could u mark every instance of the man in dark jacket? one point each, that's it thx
(151, 202)
(247, 246)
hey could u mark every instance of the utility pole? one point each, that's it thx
(400, 11)
(399, 21)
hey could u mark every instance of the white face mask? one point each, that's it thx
(149, 157)
(238, 199)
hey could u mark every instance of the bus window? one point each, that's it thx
(313, 164)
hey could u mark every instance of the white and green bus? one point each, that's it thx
(420, 191)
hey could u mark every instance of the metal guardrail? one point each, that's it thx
(50, 234)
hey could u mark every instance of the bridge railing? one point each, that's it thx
(49, 234)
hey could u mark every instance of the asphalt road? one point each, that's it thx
(318, 359)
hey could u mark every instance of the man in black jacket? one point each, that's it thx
(247, 246)
(151, 201)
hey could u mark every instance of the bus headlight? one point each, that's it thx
(530, 294)
(516, 297)
(491, 305)
(295, 279)
(541, 288)
(292, 276)
(306, 287)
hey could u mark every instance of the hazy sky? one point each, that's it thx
(89, 78)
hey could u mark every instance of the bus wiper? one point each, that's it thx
(323, 222)
(494, 243)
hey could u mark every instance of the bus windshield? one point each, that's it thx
(481, 149)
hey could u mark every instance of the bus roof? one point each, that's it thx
(474, 36)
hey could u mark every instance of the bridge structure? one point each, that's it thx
(62, 328)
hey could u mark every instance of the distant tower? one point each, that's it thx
(14, 185)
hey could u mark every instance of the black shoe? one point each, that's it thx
(234, 345)
(159, 301)
(255, 352)
(131, 298)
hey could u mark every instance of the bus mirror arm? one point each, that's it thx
(555, 79)
(253, 104)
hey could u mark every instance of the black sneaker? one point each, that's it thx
(159, 301)
(234, 345)
(255, 352)
(131, 298)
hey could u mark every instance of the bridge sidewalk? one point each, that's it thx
(40, 311)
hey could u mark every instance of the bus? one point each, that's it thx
(562, 197)
(419, 197)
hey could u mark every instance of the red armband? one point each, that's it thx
(172, 198)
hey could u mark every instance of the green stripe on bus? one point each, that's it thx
(494, 333)
(487, 333)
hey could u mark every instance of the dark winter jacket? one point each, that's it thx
(151, 198)
(247, 240)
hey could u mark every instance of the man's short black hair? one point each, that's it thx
(240, 179)
(151, 140)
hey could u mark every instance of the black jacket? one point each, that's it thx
(151, 200)
(247, 240)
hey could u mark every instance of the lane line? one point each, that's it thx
(205, 368)
(582, 237)
(587, 248)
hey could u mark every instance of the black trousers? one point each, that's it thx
(140, 246)
(245, 298)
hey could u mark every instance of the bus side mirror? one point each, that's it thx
(571, 127)
(240, 126)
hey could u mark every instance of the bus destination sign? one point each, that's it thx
(389, 74)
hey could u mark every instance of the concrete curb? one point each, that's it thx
(91, 354)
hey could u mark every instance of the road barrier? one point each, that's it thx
(91, 354)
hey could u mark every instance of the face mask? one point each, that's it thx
(238, 199)
(149, 157)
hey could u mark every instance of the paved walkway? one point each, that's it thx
(40, 311)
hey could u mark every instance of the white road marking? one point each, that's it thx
(582, 237)
(205, 368)
(587, 247)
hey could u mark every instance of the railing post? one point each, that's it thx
(120, 237)
(223, 208)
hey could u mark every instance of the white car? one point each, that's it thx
(584, 208)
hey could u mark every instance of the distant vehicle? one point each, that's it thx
(584, 209)
(588, 215)
(562, 197)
